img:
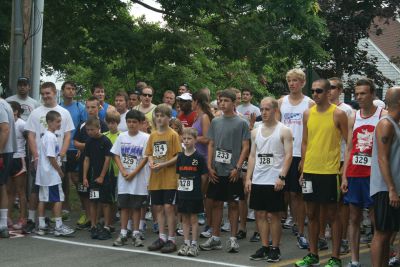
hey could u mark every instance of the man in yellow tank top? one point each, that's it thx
(324, 125)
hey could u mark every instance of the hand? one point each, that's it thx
(253, 118)
(234, 175)
(394, 199)
(301, 180)
(151, 164)
(130, 176)
(85, 182)
(279, 184)
(35, 162)
(344, 185)
(124, 174)
(99, 180)
(156, 166)
(62, 155)
(247, 185)
(78, 154)
(213, 175)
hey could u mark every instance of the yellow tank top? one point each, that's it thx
(323, 144)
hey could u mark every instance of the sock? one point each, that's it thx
(142, 223)
(124, 232)
(187, 242)
(355, 262)
(233, 238)
(136, 233)
(58, 222)
(3, 218)
(172, 238)
(163, 237)
(42, 223)
(32, 215)
(216, 238)
(194, 242)
(129, 226)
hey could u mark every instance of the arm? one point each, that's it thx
(233, 177)
(85, 171)
(54, 163)
(121, 168)
(4, 133)
(64, 148)
(204, 183)
(278, 114)
(287, 140)
(138, 168)
(349, 147)
(251, 162)
(79, 145)
(205, 124)
(212, 173)
(384, 137)
(168, 163)
(103, 173)
(304, 142)
(341, 123)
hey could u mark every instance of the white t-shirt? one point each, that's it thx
(122, 127)
(37, 124)
(46, 175)
(21, 141)
(247, 109)
(28, 105)
(131, 150)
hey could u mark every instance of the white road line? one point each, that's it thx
(139, 251)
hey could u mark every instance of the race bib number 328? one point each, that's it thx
(265, 159)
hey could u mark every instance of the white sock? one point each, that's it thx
(187, 242)
(355, 262)
(32, 215)
(233, 238)
(136, 232)
(163, 237)
(42, 223)
(142, 223)
(194, 242)
(124, 232)
(58, 222)
(129, 226)
(216, 238)
(3, 218)
(172, 238)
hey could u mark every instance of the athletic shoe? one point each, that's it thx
(250, 216)
(129, 234)
(63, 230)
(256, 237)
(211, 244)
(104, 233)
(20, 224)
(261, 254)
(120, 241)
(179, 230)
(344, 247)
(366, 239)
(350, 264)
(29, 227)
(394, 262)
(168, 247)
(42, 230)
(241, 234)
(295, 230)
(4, 233)
(85, 226)
(156, 245)
(328, 233)
(322, 244)
(232, 246)
(136, 241)
(142, 234)
(83, 219)
(148, 216)
(307, 261)
(334, 262)
(193, 251)
(288, 223)
(302, 242)
(274, 255)
(207, 232)
(201, 218)
(226, 227)
(94, 232)
(65, 216)
(183, 250)
(155, 228)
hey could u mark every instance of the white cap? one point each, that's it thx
(185, 96)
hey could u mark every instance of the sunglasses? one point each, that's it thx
(148, 95)
(317, 91)
(334, 87)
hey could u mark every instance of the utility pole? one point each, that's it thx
(37, 48)
(17, 39)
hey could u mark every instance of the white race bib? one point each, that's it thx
(265, 159)
(223, 156)
(185, 184)
(361, 160)
(159, 149)
(94, 194)
(82, 188)
(306, 188)
(129, 162)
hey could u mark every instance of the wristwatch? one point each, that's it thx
(282, 177)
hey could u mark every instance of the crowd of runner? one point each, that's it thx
(287, 163)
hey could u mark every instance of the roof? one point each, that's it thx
(388, 41)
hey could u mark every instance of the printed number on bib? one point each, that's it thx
(94, 194)
(159, 149)
(82, 188)
(266, 159)
(129, 162)
(185, 184)
(223, 156)
(361, 160)
(306, 188)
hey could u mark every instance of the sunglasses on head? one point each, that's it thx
(317, 91)
(148, 95)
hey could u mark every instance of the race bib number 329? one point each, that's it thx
(361, 160)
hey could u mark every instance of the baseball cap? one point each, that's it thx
(23, 80)
(185, 96)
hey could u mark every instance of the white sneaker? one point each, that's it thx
(288, 223)
(251, 215)
(232, 246)
(183, 250)
(211, 244)
(226, 227)
(63, 230)
(137, 241)
(193, 251)
(207, 233)
(148, 216)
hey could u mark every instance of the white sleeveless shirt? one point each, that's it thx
(269, 158)
(292, 117)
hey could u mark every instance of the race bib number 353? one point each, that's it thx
(223, 156)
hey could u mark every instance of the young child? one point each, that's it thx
(192, 170)
(97, 163)
(49, 175)
(17, 184)
(162, 149)
(132, 181)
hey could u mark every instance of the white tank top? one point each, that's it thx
(292, 117)
(270, 155)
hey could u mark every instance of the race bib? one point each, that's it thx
(265, 159)
(361, 160)
(129, 162)
(94, 194)
(185, 184)
(82, 188)
(306, 187)
(159, 149)
(223, 156)
(244, 165)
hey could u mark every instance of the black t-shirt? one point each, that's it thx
(190, 168)
(96, 149)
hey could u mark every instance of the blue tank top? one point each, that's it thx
(103, 111)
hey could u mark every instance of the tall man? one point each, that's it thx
(121, 104)
(247, 109)
(323, 127)
(385, 179)
(99, 92)
(269, 162)
(357, 167)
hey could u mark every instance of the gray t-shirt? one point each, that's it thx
(28, 104)
(227, 134)
(7, 116)
(247, 109)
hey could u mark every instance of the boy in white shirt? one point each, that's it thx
(48, 176)
(132, 180)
